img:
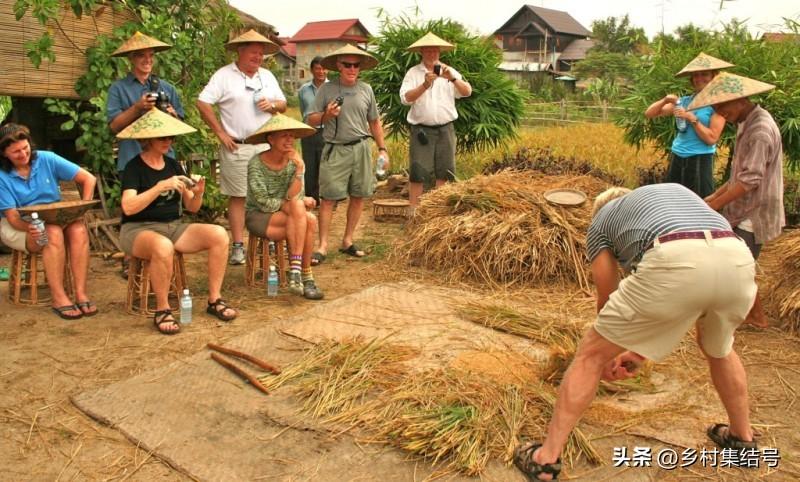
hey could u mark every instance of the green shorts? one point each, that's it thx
(346, 171)
(257, 222)
(436, 158)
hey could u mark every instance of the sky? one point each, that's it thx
(486, 16)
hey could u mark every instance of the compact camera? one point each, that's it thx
(437, 69)
(339, 101)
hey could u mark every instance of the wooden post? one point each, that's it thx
(563, 109)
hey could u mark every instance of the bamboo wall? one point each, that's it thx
(18, 77)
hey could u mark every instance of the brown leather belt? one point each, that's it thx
(693, 235)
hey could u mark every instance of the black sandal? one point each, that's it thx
(523, 459)
(727, 441)
(160, 319)
(218, 307)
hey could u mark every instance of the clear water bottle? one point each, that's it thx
(186, 307)
(272, 282)
(680, 122)
(380, 167)
(272, 249)
(39, 225)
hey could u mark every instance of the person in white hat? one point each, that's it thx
(431, 89)
(348, 110)
(155, 191)
(247, 95)
(752, 199)
(691, 161)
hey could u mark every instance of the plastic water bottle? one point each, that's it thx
(186, 307)
(272, 249)
(272, 282)
(39, 225)
(380, 167)
(680, 122)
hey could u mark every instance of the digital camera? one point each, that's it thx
(339, 101)
(161, 97)
(437, 69)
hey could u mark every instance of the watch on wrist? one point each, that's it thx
(382, 149)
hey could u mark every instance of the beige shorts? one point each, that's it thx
(172, 231)
(675, 285)
(13, 238)
(233, 168)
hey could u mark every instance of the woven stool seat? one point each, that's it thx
(27, 281)
(258, 260)
(141, 299)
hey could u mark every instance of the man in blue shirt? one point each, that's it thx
(312, 145)
(131, 97)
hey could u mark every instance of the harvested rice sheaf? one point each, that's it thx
(781, 292)
(499, 229)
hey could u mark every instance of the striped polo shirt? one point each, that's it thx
(628, 225)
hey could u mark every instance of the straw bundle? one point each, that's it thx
(499, 229)
(781, 295)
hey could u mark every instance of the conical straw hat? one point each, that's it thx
(155, 123)
(431, 40)
(703, 62)
(251, 36)
(280, 122)
(140, 41)
(727, 86)
(367, 60)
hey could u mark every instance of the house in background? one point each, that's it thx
(322, 38)
(538, 40)
(286, 60)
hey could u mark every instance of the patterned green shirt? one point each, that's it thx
(266, 189)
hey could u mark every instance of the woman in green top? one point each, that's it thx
(276, 206)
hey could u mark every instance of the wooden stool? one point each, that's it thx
(390, 209)
(139, 289)
(257, 261)
(27, 277)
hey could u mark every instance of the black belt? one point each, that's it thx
(351, 143)
(434, 127)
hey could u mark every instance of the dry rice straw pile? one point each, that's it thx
(499, 229)
(781, 262)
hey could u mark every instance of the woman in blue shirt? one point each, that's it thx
(692, 158)
(29, 177)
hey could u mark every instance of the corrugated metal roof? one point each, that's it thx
(558, 21)
(330, 30)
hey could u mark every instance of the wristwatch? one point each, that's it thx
(272, 107)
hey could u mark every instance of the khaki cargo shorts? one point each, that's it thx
(346, 171)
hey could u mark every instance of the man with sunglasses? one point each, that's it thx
(247, 95)
(349, 112)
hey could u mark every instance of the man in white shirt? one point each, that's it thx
(247, 96)
(431, 89)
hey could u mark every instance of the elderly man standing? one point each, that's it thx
(312, 145)
(247, 96)
(431, 89)
(687, 268)
(349, 112)
(752, 199)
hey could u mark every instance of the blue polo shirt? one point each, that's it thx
(41, 187)
(121, 96)
(306, 95)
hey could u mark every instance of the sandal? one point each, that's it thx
(317, 258)
(86, 306)
(353, 251)
(61, 311)
(725, 440)
(523, 459)
(218, 309)
(162, 317)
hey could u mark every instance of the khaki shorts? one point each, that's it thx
(257, 222)
(13, 238)
(171, 230)
(675, 285)
(233, 168)
(346, 171)
(437, 158)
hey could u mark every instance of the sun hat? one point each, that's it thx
(277, 123)
(726, 87)
(431, 40)
(702, 63)
(140, 41)
(367, 61)
(251, 36)
(155, 123)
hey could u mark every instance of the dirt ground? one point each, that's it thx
(44, 360)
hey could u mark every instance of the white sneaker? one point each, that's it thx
(237, 255)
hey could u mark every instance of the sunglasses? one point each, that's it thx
(351, 65)
(166, 138)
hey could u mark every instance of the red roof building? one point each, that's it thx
(322, 38)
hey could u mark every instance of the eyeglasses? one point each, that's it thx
(351, 65)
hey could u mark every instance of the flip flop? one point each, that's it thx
(84, 306)
(353, 251)
(61, 311)
(317, 258)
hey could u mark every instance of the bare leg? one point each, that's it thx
(212, 238)
(325, 217)
(308, 247)
(441, 182)
(756, 316)
(159, 251)
(354, 208)
(236, 218)
(414, 192)
(295, 210)
(53, 255)
(78, 245)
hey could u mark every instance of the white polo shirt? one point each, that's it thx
(437, 105)
(231, 90)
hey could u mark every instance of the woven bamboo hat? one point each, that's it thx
(727, 86)
(140, 41)
(703, 62)
(280, 122)
(367, 60)
(431, 40)
(155, 123)
(251, 36)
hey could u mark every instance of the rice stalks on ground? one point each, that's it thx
(781, 295)
(499, 229)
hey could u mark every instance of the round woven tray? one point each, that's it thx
(386, 209)
(565, 197)
(61, 213)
